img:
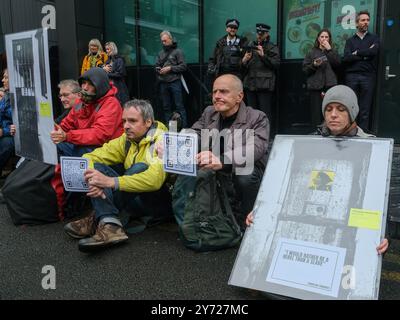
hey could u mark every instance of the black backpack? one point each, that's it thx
(208, 221)
(34, 193)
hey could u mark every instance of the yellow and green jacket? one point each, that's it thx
(114, 152)
(90, 62)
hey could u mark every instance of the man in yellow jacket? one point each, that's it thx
(139, 187)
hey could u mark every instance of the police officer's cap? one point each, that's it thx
(232, 23)
(262, 27)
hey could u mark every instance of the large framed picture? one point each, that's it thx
(320, 214)
(30, 90)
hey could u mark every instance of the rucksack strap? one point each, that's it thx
(225, 201)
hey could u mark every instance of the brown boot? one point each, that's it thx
(107, 234)
(82, 228)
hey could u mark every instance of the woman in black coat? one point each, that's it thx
(319, 65)
(115, 67)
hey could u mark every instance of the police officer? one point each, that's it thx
(260, 63)
(227, 54)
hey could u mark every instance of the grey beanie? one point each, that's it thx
(343, 95)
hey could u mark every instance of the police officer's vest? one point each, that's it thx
(231, 57)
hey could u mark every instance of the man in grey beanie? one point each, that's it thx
(340, 109)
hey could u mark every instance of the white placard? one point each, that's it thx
(307, 266)
(72, 173)
(31, 97)
(180, 150)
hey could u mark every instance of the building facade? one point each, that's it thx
(135, 26)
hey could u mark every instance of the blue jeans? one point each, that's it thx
(6, 150)
(171, 94)
(67, 149)
(156, 203)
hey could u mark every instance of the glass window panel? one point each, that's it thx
(179, 17)
(343, 17)
(302, 20)
(247, 12)
(120, 28)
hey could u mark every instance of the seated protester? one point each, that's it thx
(229, 113)
(340, 110)
(2, 92)
(96, 120)
(139, 189)
(69, 96)
(7, 129)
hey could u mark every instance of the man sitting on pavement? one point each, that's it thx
(243, 152)
(94, 121)
(139, 188)
(69, 96)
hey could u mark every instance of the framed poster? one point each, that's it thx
(30, 91)
(319, 216)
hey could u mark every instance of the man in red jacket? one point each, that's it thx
(96, 119)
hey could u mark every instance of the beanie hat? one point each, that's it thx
(343, 95)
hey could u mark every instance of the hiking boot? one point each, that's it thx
(107, 234)
(81, 228)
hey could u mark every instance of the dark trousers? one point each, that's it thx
(6, 150)
(246, 190)
(156, 204)
(171, 95)
(262, 100)
(364, 87)
(315, 108)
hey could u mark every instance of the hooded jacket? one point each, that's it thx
(93, 124)
(114, 152)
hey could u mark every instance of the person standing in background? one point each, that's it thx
(361, 64)
(170, 65)
(227, 55)
(260, 63)
(319, 66)
(95, 58)
(115, 68)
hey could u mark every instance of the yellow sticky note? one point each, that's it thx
(365, 219)
(45, 110)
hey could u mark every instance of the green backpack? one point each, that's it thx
(208, 221)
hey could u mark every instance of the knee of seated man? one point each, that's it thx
(244, 182)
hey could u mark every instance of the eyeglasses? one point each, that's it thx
(65, 95)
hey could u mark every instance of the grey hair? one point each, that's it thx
(95, 42)
(70, 83)
(144, 106)
(166, 33)
(114, 48)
